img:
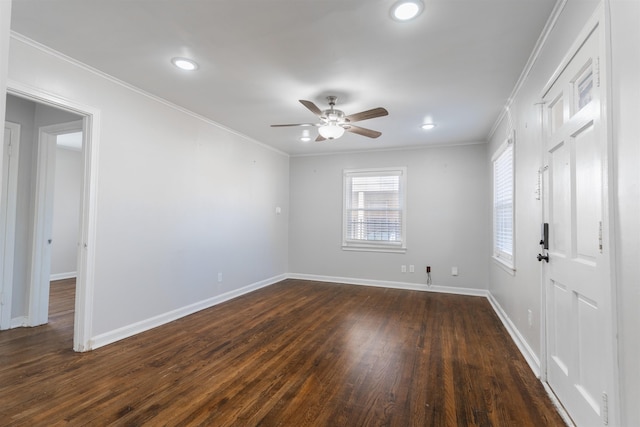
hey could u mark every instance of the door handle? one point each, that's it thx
(543, 257)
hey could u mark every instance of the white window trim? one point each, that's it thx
(505, 262)
(506, 266)
(350, 245)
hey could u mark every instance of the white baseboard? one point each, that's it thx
(144, 325)
(392, 285)
(526, 351)
(556, 403)
(19, 322)
(522, 344)
(62, 276)
(136, 328)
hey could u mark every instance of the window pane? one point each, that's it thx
(585, 88)
(381, 225)
(503, 204)
(374, 207)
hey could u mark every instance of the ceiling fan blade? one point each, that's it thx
(363, 131)
(295, 124)
(320, 138)
(311, 107)
(369, 114)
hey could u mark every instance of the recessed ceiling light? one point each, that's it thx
(184, 64)
(428, 126)
(305, 138)
(405, 10)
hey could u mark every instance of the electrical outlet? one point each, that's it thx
(530, 317)
(219, 277)
(403, 268)
(412, 268)
(454, 271)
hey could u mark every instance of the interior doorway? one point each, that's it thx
(51, 184)
(44, 121)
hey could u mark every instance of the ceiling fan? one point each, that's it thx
(333, 122)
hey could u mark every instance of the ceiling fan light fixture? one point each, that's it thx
(428, 126)
(331, 131)
(185, 64)
(406, 10)
(305, 138)
(334, 123)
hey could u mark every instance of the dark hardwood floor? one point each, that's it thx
(296, 353)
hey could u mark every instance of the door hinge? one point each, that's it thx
(605, 409)
(10, 149)
(600, 236)
(1, 298)
(598, 71)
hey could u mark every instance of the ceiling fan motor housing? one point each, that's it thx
(333, 116)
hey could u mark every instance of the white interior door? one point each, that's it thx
(8, 200)
(43, 229)
(577, 276)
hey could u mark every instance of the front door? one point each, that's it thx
(577, 275)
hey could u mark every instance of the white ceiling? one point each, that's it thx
(455, 65)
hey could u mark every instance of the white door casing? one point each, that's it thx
(578, 286)
(82, 330)
(8, 203)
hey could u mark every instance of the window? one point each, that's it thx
(374, 210)
(503, 203)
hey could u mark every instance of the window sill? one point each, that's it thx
(504, 265)
(372, 248)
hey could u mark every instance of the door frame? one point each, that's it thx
(599, 21)
(8, 224)
(40, 271)
(83, 318)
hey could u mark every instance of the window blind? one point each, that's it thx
(373, 208)
(503, 204)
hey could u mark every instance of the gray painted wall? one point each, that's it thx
(447, 212)
(179, 199)
(66, 212)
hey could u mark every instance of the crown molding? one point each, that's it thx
(50, 51)
(533, 58)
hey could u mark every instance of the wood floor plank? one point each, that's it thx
(297, 353)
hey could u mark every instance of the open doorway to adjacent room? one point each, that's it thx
(44, 211)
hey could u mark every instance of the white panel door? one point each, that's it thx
(43, 228)
(577, 275)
